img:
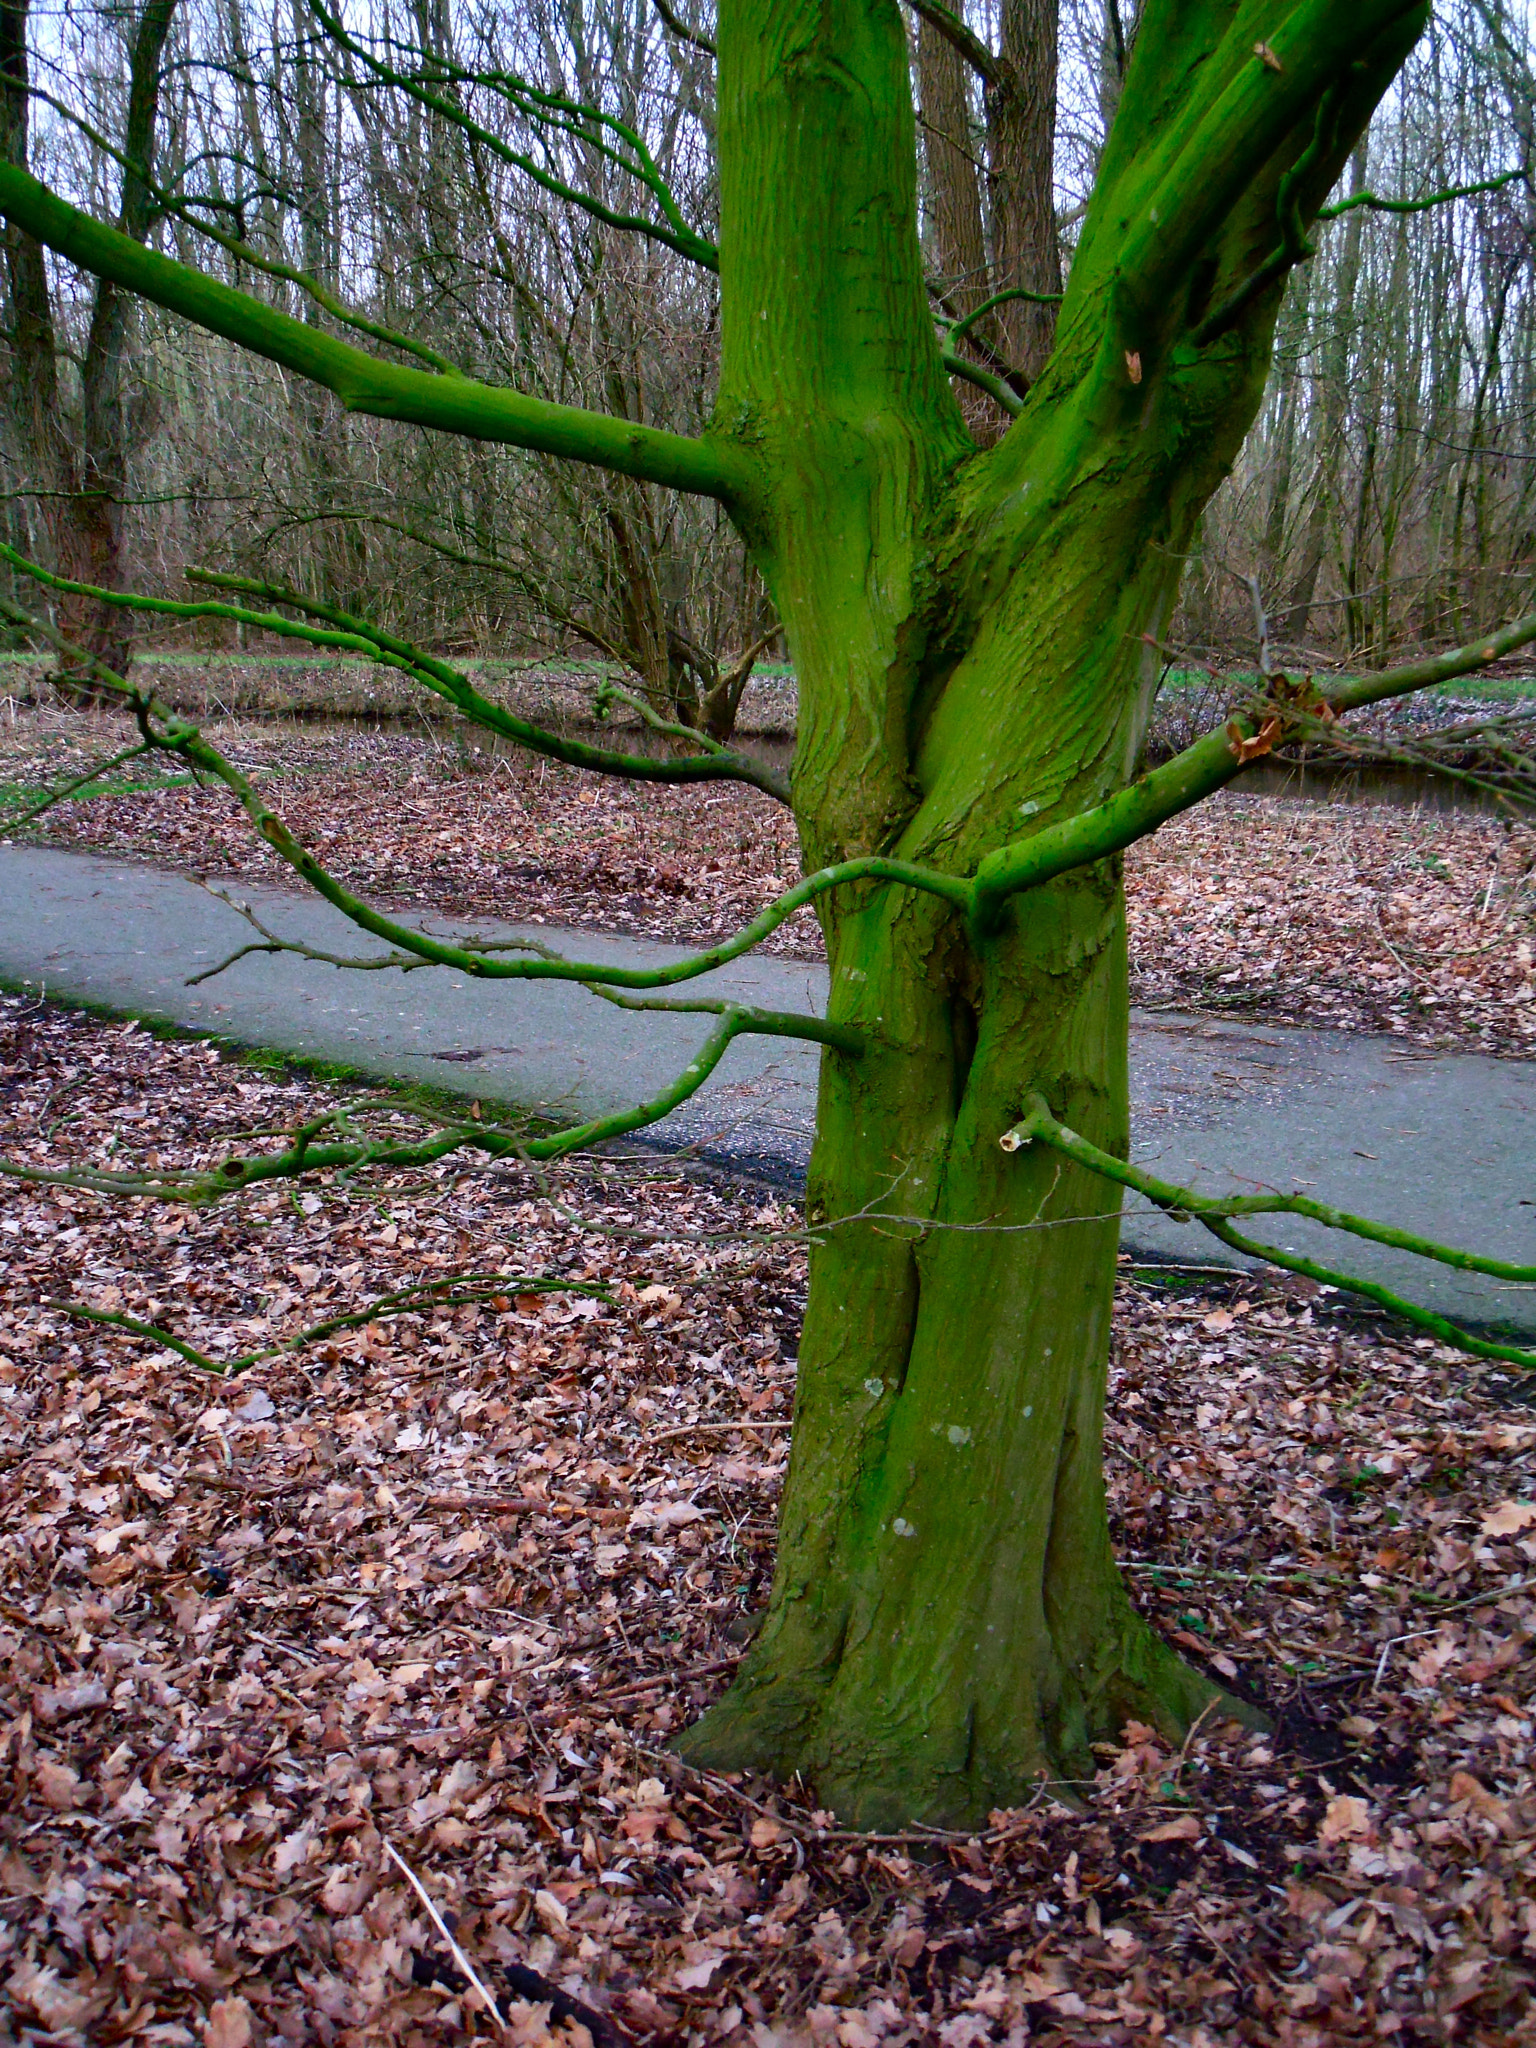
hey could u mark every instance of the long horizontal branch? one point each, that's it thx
(308, 1154)
(165, 733)
(364, 384)
(1435, 668)
(1122, 819)
(458, 1291)
(1215, 1212)
(714, 760)
(485, 966)
(1377, 204)
(346, 634)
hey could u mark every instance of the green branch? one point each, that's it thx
(1203, 768)
(458, 1292)
(345, 634)
(198, 1186)
(1210, 155)
(177, 737)
(364, 384)
(984, 380)
(1038, 1125)
(715, 761)
(1002, 299)
(65, 790)
(1379, 205)
(1435, 668)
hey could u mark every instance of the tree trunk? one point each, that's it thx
(971, 634)
(90, 480)
(947, 1624)
(954, 187)
(32, 383)
(1326, 482)
(1021, 120)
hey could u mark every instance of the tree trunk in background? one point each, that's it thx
(105, 438)
(80, 484)
(1293, 326)
(1021, 122)
(1335, 406)
(32, 385)
(959, 241)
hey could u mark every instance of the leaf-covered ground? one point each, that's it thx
(439, 1589)
(1363, 917)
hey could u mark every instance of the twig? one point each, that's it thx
(710, 1428)
(442, 1927)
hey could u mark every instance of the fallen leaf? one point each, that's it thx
(1346, 1820)
(59, 1785)
(229, 2024)
(1508, 1518)
(1185, 1829)
(1465, 1787)
(695, 1976)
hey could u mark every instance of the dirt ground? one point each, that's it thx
(422, 1602)
(1416, 923)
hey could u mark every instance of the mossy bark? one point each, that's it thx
(975, 636)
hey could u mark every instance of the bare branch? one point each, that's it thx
(1215, 1212)
(572, 117)
(679, 27)
(363, 383)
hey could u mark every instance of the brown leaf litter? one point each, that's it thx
(441, 1588)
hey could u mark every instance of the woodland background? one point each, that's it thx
(1385, 498)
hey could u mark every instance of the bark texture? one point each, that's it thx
(970, 632)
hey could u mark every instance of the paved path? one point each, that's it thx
(1444, 1145)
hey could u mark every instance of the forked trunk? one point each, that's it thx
(976, 638)
(947, 1624)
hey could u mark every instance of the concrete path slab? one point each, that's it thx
(1445, 1145)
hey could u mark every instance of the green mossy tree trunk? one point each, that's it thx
(974, 637)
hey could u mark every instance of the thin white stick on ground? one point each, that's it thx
(442, 1927)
